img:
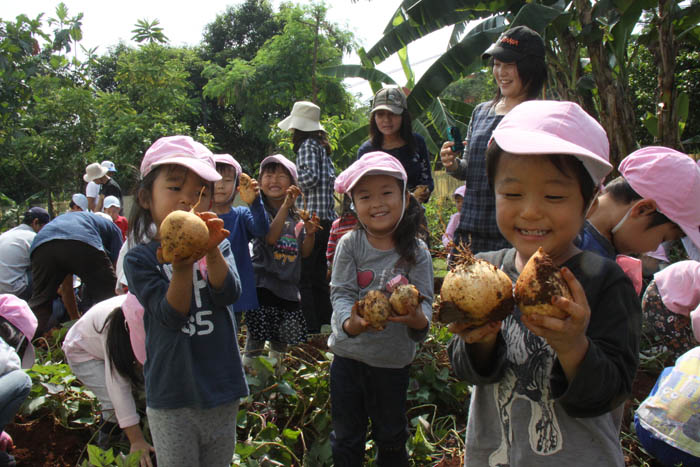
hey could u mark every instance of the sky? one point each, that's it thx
(106, 23)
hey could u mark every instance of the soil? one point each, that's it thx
(45, 442)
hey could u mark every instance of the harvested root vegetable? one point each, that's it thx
(405, 298)
(537, 284)
(422, 193)
(475, 292)
(246, 188)
(307, 216)
(375, 308)
(183, 234)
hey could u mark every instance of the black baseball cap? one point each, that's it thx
(36, 213)
(515, 44)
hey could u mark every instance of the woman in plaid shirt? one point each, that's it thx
(519, 69)
(316, 177)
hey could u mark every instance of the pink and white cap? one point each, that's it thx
(672, 180)
(184, 151)
(679, 289)
(17, 312)
(371, 163)
(133, 314)
(228, 159)
(460, 191)
(286, 163)
(556, 127)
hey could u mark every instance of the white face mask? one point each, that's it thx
(622, 221)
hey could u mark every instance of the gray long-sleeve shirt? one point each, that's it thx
(358, 267)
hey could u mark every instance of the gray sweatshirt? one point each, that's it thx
(358, 267)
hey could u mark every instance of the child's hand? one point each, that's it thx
(248, 188)
(293, 193)
(485, 334)
(312, 224)
(413, 319)
(355, 324)
(217, 233)
(566, 336)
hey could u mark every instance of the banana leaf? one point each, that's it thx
(357, 71)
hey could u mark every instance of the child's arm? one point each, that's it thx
(277, 224)
(602, 377)
(421, 276)
(345, 292)
(256, 220)
(310, 227)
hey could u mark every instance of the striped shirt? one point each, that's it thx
(316, 177)
(340, 227)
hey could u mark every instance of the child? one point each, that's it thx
(277, 264)
(458, 196)
(344, 224)
(670, 318)
(654, 200)
(113, 207)
(548, 391)
(243, 223)
(667, 421)
(316, 175)
(17, 327)
(193, 372)
(99, 352)
(370, 369)
(78, 202)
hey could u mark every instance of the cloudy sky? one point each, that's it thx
(106, 23)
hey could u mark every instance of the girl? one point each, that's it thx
(448, 236)
(316, 175)
(99, 352)
(391, 131)
(370, 370)
(550, 392)
(342, 225)
(194, 377)
(277, 264)
(520, 72)
(244, 223)
(670, 312)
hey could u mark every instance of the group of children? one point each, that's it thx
(547, 391)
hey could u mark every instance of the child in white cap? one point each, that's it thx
(370, 369)
(193, 372)
(112, 207)
(550, 391)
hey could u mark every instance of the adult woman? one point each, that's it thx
(520, 72)
(390, 131)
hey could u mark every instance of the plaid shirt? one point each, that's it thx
(316, 177)
(478, 215)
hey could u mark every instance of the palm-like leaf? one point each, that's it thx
(357, 71)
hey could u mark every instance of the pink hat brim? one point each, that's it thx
(204, 170)
(133, 313)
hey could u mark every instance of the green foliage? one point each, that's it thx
(148, 31)
(438, 212)
(101, 458)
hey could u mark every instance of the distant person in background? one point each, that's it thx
(112, 207)
(344, 224)
(391, 131)
(519, 69)
(99, 174)
(316, 177)
(458, 197)
(15, 266)
(17, 328)
(78, 202)
(79, 243)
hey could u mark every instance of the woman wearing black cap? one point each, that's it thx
(519, 69)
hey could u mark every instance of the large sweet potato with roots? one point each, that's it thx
(183, 234)
(474, 292)
(537, 284)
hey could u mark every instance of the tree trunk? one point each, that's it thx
(616, 113)
(665, 56)
(314, 91)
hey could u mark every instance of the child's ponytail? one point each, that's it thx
(119, 352)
